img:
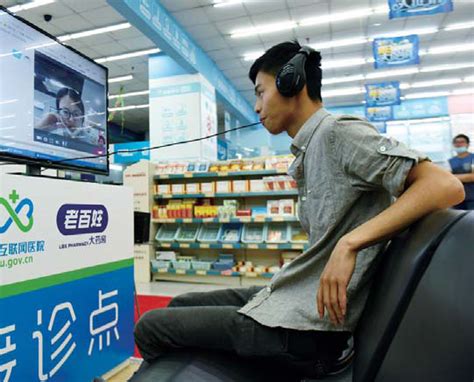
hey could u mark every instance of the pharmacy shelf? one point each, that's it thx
(220, 174)
(235, 279)
(226, 195)
(195, 245)
(260, 219)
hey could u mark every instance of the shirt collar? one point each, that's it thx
(303, 136)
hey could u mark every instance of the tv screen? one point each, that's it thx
(53, 100)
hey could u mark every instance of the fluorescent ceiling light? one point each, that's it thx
(333, 64)
(120, 79)
(438, 68)
(252, 55)
(419, 31)
(469, 79)
(342, 16)
(458, 26)
(92, 32)
(342, 92)
(8, 101)
(131, 94)
(225, 3)
(463, 91)
(130, 107)
(30, 5)
(426, 95)
(276, 27)
(451, 49)
(128, 55)
(425, 84)
(340, 43)
(337, 80)
(391, 73)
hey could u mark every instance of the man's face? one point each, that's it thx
(460, 142)
(70, 112)
(274, 110)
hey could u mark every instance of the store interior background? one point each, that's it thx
(445, 71)
(437, 94)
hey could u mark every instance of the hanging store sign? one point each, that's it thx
(382, 94)
(396, 51)
(379, 114)
(406, 8)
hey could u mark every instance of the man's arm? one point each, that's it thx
(428, 188)
(465, 178)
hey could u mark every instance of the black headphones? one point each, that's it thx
(291, 78)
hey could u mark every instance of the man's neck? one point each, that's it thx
(304, 113)
(463, 155)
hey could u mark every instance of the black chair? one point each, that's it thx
(418, 324)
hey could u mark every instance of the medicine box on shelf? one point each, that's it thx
(187, 233)
(209, 233)
(254, 233)
(277, 233)
(230, 233)
(167, 232)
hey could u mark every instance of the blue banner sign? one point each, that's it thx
(405, 8)
(123, 156)
(421, 108)
(68, 332)
(379, 114)
(382, 94)
(396, 51)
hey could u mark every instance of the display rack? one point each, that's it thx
(263, 254)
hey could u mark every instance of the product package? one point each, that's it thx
(277, 233)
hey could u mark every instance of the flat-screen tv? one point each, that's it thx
(53, 101)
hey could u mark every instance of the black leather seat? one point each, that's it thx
(418, 324)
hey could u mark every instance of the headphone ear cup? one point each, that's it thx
(285, 80)
(291, 78)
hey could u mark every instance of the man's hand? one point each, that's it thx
(334, 281)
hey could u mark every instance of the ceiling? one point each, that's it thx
(211, 27)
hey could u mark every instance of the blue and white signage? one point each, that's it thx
(379, 114)
(125, 152)
(405, 8)
(396, 51)
(421, 108)
(66, 279)
(382, 94)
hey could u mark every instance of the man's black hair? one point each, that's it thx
(74, 95)
(277, 56)
(463, 136)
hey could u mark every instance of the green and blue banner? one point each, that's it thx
(66, 279)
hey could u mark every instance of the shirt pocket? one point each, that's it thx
(319, 209)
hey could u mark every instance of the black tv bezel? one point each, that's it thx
(62, 164)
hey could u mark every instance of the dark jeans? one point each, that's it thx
(466, 205)
(211, 321)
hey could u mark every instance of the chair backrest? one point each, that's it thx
(399, 272)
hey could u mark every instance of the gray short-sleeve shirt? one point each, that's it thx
(347, 173)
